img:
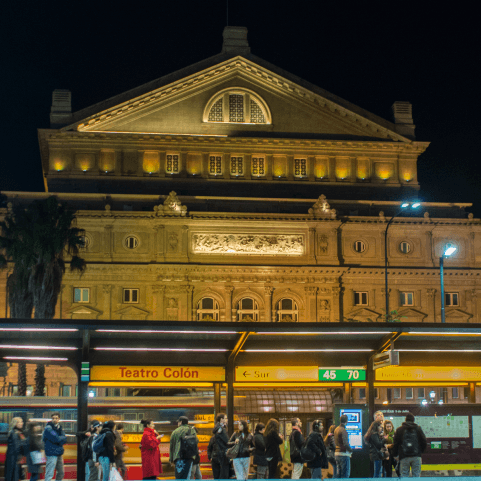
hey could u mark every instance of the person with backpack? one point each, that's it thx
(244, 438)
(183, 448)
(149, 450)
(260, 459)
(331, 449)
(196, 473)
(220, 462)
(86, 439)
(54, 438)
(377, 448)
(343, 449)
(316, 451)
(409, 444)
(273, 441)
(103, 447)
(296, 440)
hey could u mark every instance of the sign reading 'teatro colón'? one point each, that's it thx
(157, 373)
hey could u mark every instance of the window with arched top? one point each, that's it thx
(247, 310)
(208, 309)
(287, 311)
(237, 106)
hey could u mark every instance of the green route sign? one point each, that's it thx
(349, 374)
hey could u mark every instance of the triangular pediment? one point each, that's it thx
(363, 315)
(132, 312)
(411, 315)
(457, 315)
(84, 312)
(175, 104)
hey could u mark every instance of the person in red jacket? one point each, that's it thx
(149, 449)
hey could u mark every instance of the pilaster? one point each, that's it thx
(432, 305)
(229, 311)
(268, 290)
(311, 301)
(158, 302)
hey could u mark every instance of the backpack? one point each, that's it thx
(188, 445)
(86, 448)
(294, 450)
(307, 454)
(410, 443)
(98, 444)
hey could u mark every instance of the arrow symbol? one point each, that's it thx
(245, 373)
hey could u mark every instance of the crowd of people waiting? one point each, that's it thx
(102, 449)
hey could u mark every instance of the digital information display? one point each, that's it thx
(353, 426)
(341, 374)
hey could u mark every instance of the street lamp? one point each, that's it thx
(404, 207)
(448, 250)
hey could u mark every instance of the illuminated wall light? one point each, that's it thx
(151, 162)
(321, 167)
(384, 171)
(107, 160)
(59, 165)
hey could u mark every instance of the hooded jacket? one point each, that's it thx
(316, 444)
(221, 440)
(108, 445)
(54, 439)
(399, 435)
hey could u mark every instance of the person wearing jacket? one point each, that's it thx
(296, 440)
(376, 447)
(316, 444)
(85, 438)
(407, 460)
(260, 459)
(15, 450)
(54, 439)
(33, 443)
(149, 450)
(220, 463)
(120, 449)
(241, 462)
(343, 450)
(196, 473)
(273, 441)
(183, 464)
(388, 463)
(106, 456)
(331, 449)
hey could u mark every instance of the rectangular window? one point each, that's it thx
(237, 166)
(300, 167)
(81, 294)
(362, 393)
(215, 165)
(236, 108)
(131, 296)
(407, 299)
(451, 299)
(421, 393)
(258, 166)
(65, 390)
(396, 393)
(455, 393)
(409, 393)
(360, 298)
(172, 164)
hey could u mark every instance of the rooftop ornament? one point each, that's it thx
(322, 209)
(172, 206)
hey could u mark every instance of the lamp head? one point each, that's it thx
(449, 250)
(432, 394)
(404, 205)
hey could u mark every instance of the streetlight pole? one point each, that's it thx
(404, 205)
(448, 250)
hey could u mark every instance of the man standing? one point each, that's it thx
(183, 448)
(54, 439)
(343, 449)
(409, 443)
(296, 441)
(120, 449)
(220, 463)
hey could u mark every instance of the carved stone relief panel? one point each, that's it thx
(249, 244)
(172, 309)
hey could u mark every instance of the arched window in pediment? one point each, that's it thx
(208, 309)
(237, 106)
(247, 310)
(287, 310)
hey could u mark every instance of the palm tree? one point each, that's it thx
(22, 379)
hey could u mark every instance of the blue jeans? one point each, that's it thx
(343, 466)
(54, 463)
(34, 477)
(105, 463)
(316, 473)
(412, 462)
(334, 469)
(377, 468)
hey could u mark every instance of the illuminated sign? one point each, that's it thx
(343, 374)
(276, 373)
(157, 373)
(429, 373)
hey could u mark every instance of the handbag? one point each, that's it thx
(37, 457)
(233, 452)
(114, 475)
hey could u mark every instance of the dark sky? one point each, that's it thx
(369, 54)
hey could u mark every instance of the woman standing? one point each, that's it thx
(33, 443)
(107, 454)
(273, 441)
(149, 449)
(316, 445)
(331, 449)
(389, 463)
(15, 451)
(260, 451)
(377, 442)
(244, 438)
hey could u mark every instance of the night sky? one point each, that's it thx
(370, 55)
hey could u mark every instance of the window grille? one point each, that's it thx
(216, 113)
(359, 246)
(172, 164)
(257, 116)
(405, 247)
(215, 165)
(237, 166)
(236, 108)
(131, 242)
(300, 167)
(258, 166)
(131, 296)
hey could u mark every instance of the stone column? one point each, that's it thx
(432, 305)
(190, 310)
(311, 301)
(311, 245)
(229, 311)
(185, 241)
(268, 290)
(107, 292)
(158, 303)
(337, 312)
(158, 243)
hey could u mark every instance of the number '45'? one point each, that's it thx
(329, 374)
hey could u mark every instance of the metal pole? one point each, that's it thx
(441, 274)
